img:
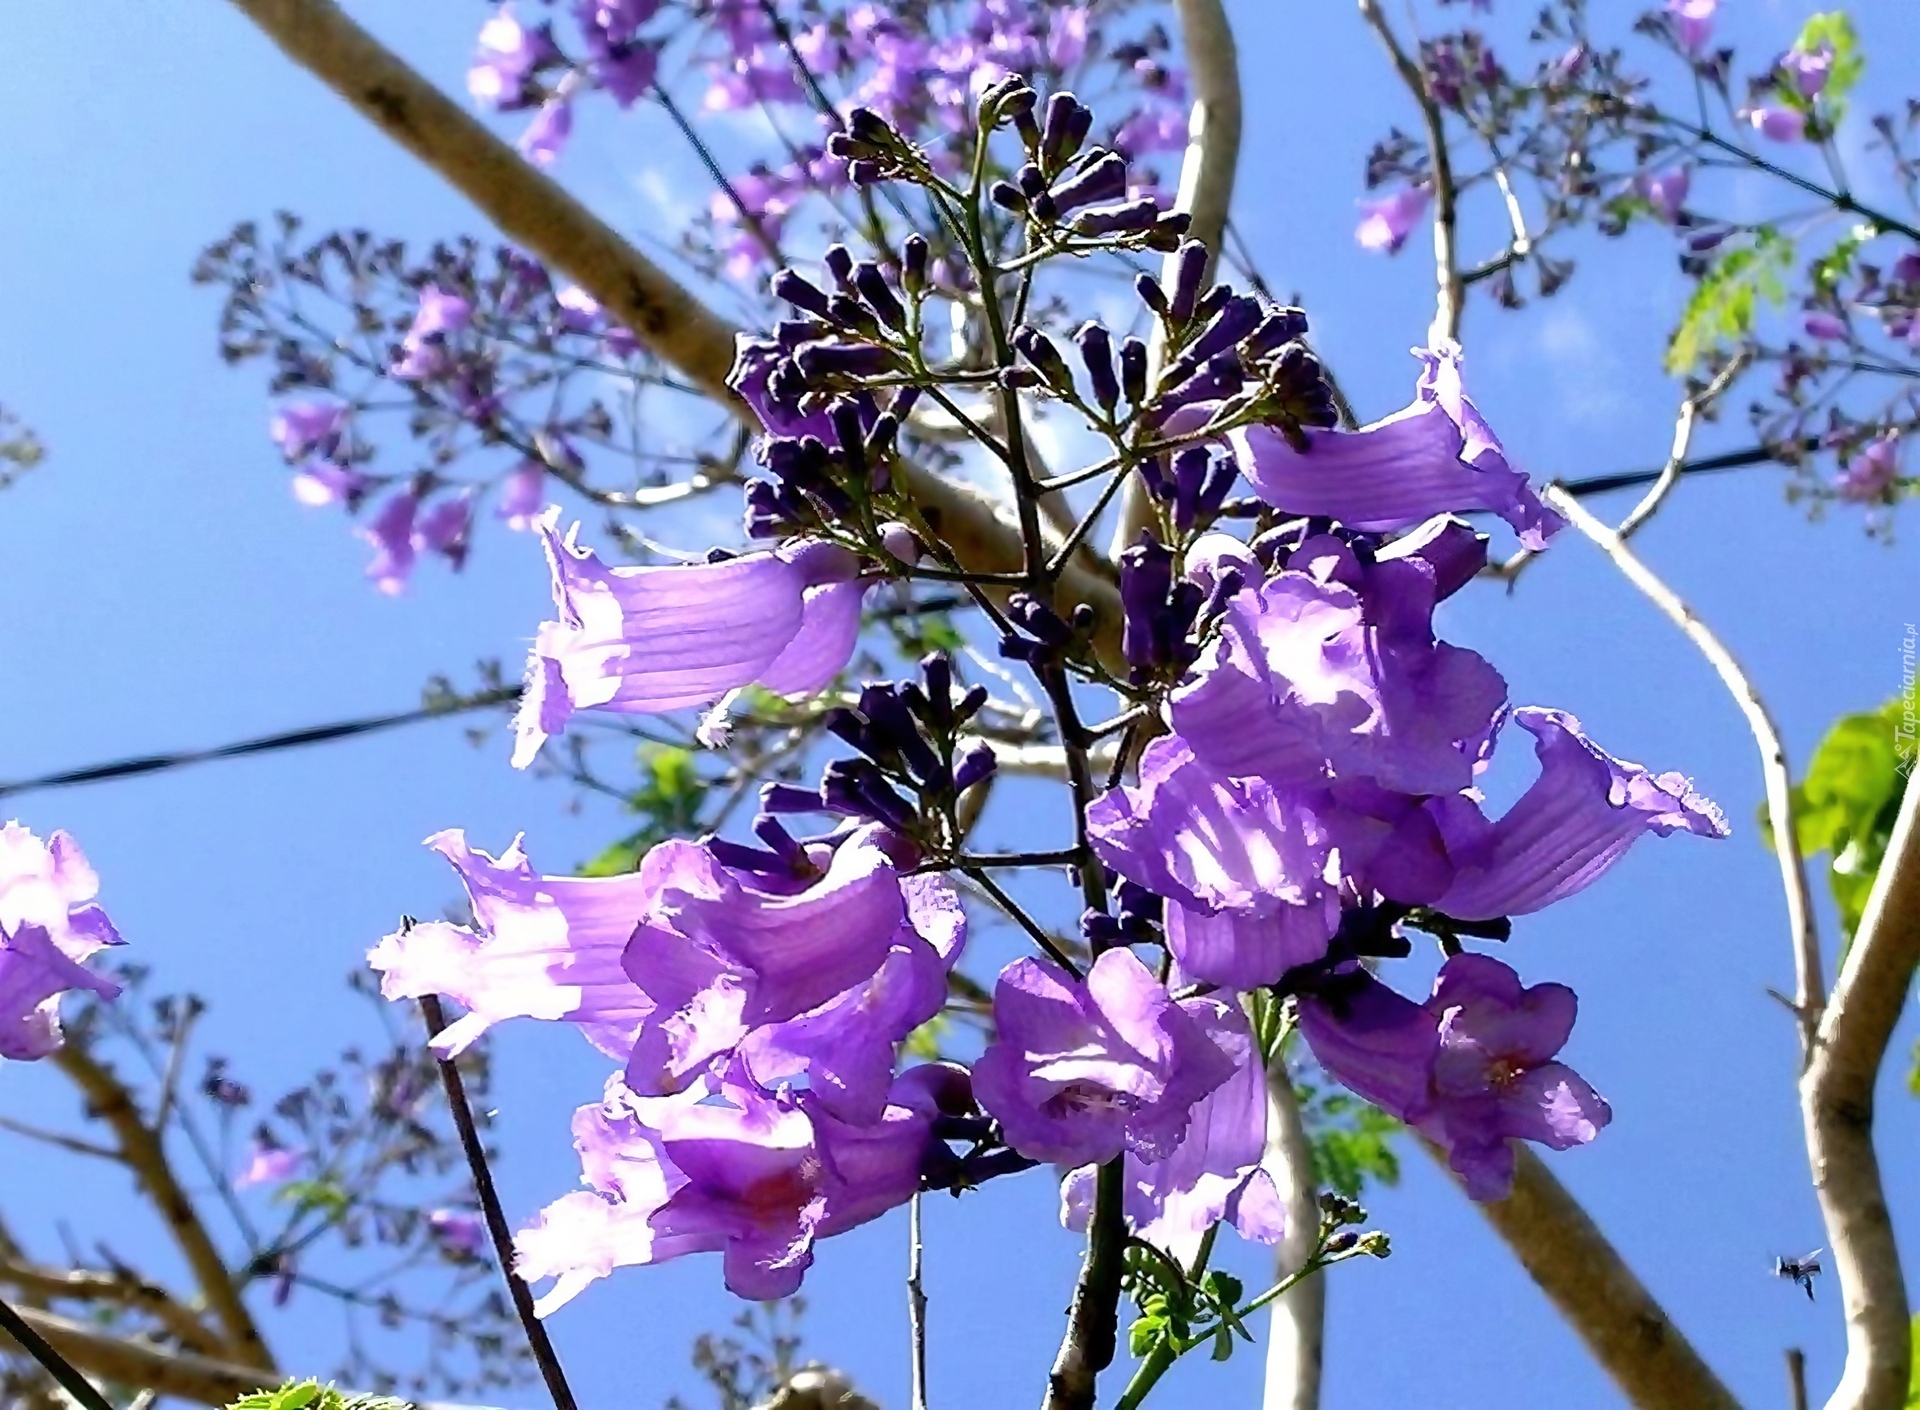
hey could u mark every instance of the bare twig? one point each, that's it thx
(1298, 1334)
(476, 1152)
(142, 1149)
(1582, 1273)
(1690, 409)
(122, 1288)
(916, 1304)
(1836, 1102)
(1450, 299)
(1206, 184)
(1809, 980)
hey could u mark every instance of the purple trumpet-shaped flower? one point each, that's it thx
(1666, 191)
(301, 428)
(1471, 1068)
(1331, 669)
(754, 1175)
(49, 926)
(1579, 817)
(845, 1047)
(462, 1230)
(1777, 122)
(1080, 1070)
(649, 640)
(1388, 220)
(522, 495)
(507, 54)
(546, 136)
(1214, 1173)
(1809, 72)
(1437, 456)
(544, 947)
(1828, 327)
(423, 350)
(391, 535)
(1244, 866)
(269, 1165)
(1692, 22)
(1870, 475)
(723, 950)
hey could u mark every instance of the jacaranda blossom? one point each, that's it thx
(1081, 1069)
(1388, 220)
(49, 926)
(652, 639)
(542, 947)
(1693, 22)
(423, 351)
(1870, 474)
(1472, 1068)
(1437, 456)
(757, 1176)
(1215, 1172)
(269, 1165)
(303, 427)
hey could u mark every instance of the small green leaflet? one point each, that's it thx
(1723, 304)
(311, 1395)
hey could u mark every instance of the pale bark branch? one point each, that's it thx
(1629, 1334)
(145, 1153)
(43, 1285)
(536, 213)
(1206, 184)
(1297, 1329)
(1836, 1098)
(1451, 294)
(1809, 978)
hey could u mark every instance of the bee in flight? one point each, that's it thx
(1801, 1270)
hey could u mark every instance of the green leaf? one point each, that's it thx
(1913, 1376)
(1846, 804)
(1352, 1141)
(1837, 263)
(311, 1395)
(323, 1195)
(668, 799)
(1722, 307)
(1835, 29)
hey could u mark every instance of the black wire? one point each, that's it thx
(265, 744)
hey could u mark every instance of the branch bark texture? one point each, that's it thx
(1836, 1100)
(1297, 1329)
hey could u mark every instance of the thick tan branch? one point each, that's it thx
(1582, 1273)
(1836, 1099)
(1450, 299)
(1206, 182)
(1297, 1337)
(142, 1149)
(43, 1285)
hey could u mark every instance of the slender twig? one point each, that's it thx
(1836, 1104)
(1450, 299)
(1690, 409)
(749, 217)
(1016, 913)
(1809, 980)
(59, 1140)
(483, 1187)
(916, 1304)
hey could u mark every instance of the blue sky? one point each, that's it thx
(164, 590)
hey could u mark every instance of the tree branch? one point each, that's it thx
(1206, 185)
(1836, 1099)
(1298, 1325)
(535, 212)
(1628, 1332)
(1450, 301)
(1809, 977)
(141, 1147)
(122, 1288)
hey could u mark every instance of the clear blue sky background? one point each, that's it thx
(164, 591)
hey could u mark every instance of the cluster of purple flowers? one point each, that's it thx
(50, 925)
(1310, 796)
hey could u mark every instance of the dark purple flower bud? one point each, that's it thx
(1039, 619)
(1053, 131)
(1190, 271)
(865, 125)
(1706, 240)
(785, 798)
(913, 263)
(1153, 474)
(971, 704)
(1021, 378)
(1036, 347)
(856, 787)
(974, 766)
(1168, 231)
(1126, 219)
(1031, 181)
(1007, 197)
(1103, 180)
(1234, 322)
(844, 413)
(1096, 352)
(1146, 580)
(886, 427)
(872, 285)
(1079, 124)
(790, 333)
(737, 856)
(839, 263)
(1043, 209)
(1017, 100)
(850, 313)
(1279, 327)
(1212, 302)
(790, 286)
(1151, 294)
(893, 728)
(820, 360)
(937, 669)
(1220, 378)
(1133, 369)
(863, 173)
